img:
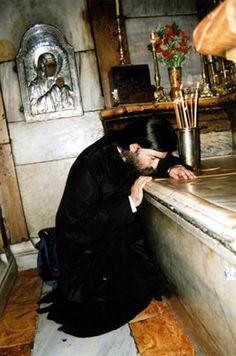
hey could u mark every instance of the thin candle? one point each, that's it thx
(184, 113)
(195, 106)
(152, 35)
(180, 113)
(117, 8)
(187, 110)
(177, 114)
(180, 92)
(191, 109)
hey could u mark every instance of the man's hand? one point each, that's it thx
(137, 189)
(179, 171)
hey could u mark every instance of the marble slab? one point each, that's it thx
(208, 202)
(42, 186)
(134, 8)
(72, 19)
(49, 341)
(54, 139)
(197, 267)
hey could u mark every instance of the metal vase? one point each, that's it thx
(189, 147)
(175, 78)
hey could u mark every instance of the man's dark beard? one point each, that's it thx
(130, 159)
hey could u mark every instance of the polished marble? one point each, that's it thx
(161, 334)
(196, 264)
(49, 341)
(155, 331)
(19, 318)
(208, 201)
(191, 227)
(22, 335)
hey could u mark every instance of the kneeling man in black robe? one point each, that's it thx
(106, 276)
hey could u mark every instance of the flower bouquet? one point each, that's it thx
(171, 45)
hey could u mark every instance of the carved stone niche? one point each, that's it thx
(47, 75)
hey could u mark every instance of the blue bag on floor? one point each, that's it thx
(47, 261)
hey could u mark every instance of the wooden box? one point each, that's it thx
(130, 84)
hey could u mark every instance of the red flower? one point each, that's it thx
(170, 31)
(185, 37)
(166, 53)
(183, 49)
(169, 37)
(170, 57)
(158, 49)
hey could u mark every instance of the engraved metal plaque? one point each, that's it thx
(47, 75)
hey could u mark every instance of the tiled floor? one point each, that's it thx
(19, 319)
(154, 332)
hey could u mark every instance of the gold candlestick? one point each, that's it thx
(119, 31)
(158, 94)
(206, 91)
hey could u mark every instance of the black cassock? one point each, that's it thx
(106, 275)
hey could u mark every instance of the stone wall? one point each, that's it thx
(43, 151)
(142, 17)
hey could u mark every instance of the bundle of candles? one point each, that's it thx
(186, 109)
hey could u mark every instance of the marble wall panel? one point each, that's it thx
(216, 144)
(70, 16)
(41, 188)
(89, 82)
(198, 273)
(137, 8)
(138, 34)
(53, 139)
(11, 92)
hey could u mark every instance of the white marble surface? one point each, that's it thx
(41, 187)
(51, 342)
(10, 88)
(71, 17)
(216, 143)
(198, 267)
(208, 202)
(89, 82)
(135, 8)
(25, 255)
(54, 139)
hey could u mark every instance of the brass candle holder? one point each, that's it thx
(158, 94)
(206, 91)
(119, 32)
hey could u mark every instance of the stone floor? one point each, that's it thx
(154, 332)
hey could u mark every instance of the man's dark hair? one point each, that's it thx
(154, 133)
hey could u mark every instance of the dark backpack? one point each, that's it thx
(47, 261)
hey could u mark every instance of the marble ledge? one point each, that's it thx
(25, 254)
(208, 203)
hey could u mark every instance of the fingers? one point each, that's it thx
(137, 189)
(141, 181)
(178, 172)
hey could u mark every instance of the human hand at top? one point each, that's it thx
(180, 171)
(137, 189)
